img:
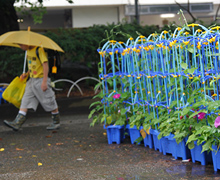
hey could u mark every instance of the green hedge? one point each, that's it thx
(80, 46)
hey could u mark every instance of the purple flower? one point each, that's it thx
(217, 122)
(201, 115)
(116, 96)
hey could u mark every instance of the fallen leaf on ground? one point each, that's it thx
(39, 164)
(34, 156)
(18, 149)
(104, 134)
(58, 144)
(48, 136)
(49, 144)
(54, 131)
(0, 139)
(20, 157)
(2, 149)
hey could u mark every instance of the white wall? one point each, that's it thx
(53, 19)
(88, 16)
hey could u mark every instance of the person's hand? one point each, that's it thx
(44, 86)
(24, 75)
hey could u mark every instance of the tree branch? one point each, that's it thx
(187, 9)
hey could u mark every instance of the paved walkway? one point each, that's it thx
(78, 151)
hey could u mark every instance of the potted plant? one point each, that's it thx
(110, 110)
(205, 135)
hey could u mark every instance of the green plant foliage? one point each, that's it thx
(80, 45)
(11, 62)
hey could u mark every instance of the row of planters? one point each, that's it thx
(164, 90)
(190, 137)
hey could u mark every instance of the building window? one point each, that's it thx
(173, 8)
(159, 9)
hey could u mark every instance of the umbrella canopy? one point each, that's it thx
(13, 38)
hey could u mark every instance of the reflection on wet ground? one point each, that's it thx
(78, 151)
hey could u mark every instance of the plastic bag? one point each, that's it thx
(15, 91)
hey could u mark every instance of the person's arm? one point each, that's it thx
(45, 71)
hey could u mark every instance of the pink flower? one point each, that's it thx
(116, 96)
(201, 115)
(217, 122)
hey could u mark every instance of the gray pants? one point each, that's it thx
(34, 95)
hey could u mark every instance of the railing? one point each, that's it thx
(73, 84)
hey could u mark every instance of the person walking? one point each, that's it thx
(38, 89)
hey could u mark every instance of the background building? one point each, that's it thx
(85, 13)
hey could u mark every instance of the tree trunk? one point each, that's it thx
(8, 16)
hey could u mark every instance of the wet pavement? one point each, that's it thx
(78, 151)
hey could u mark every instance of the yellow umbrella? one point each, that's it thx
(13, 38)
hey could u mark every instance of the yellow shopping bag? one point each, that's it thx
(15, 91)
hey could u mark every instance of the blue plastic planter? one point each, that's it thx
(134, 134)
(216, 158)
(169, 145)
(115, 133)
(196, 154)
(181, 150)
(148, 140)
(156, 141)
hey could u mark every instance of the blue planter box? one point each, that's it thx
(148, 140)
(169, 145)
(134, 134)
(115, 133)
(156, 141)
(216, 158)
(204, 157)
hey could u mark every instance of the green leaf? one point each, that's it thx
(186, 111)
(217, 54)
(191, 138)
(207, 146)
(191, 71)
(97, 102)
(211, 82)
(97, 85)
(100, 70)
(109, 119)
(184, 65)
(190, 49)
(124, 95)
(91, 113)
(123, 111)
(138, 140)
(195, 79)
(191, 145)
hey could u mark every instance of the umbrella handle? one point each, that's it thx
(25, 59)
